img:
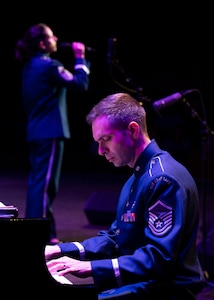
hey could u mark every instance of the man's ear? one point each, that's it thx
(42, 45)
(134, 128)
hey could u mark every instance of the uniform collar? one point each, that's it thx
(40, 53)
(142, 161)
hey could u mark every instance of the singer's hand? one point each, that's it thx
(78, 49)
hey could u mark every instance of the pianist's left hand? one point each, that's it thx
(52, 251)
(65, 264)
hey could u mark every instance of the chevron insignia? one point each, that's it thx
(160, 218)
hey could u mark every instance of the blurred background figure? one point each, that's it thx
(45, 82)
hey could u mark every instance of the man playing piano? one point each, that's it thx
(150, 249)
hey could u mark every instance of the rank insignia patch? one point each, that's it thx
(160, 218)
(65, 73)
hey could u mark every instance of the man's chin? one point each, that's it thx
(116, 164)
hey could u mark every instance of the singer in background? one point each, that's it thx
(45, 82)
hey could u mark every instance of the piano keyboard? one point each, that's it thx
(61, 279)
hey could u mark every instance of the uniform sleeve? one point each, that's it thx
(78, 80)
(100, 246)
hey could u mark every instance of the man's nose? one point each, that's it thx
(101, 150)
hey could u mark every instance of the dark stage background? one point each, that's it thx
(160, 49)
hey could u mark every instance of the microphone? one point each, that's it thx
(69, 45)
(165, 102)
(111, 53)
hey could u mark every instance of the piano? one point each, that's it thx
(23, 270)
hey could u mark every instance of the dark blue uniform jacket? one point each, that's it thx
(46, 107)
(153, 239)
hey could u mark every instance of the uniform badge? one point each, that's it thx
(160, 218)
(129, 216)
(65, 73)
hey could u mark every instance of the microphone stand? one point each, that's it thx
(205, 133)
(120, 69)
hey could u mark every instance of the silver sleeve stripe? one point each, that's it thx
(81, 250)
(117, 271)
(47, 179)
(83, 67)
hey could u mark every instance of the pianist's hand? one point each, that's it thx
(65, 264)
(52, 251)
